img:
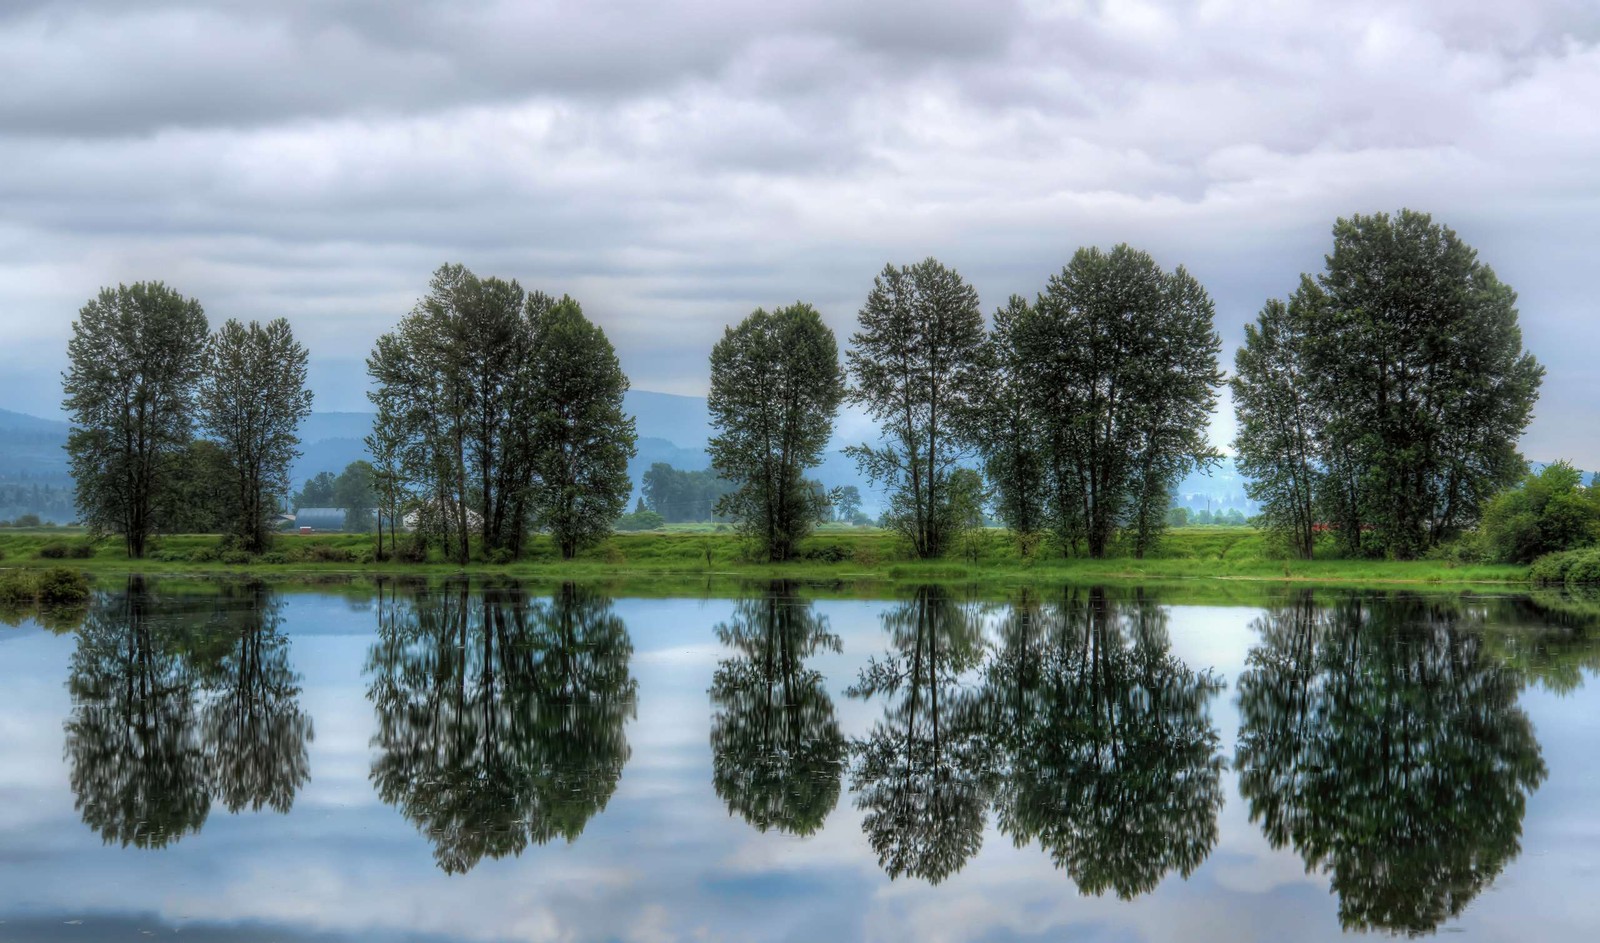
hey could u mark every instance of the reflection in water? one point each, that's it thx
(175, 703)
(1112, 762)
(1382, 742)
(500, 719)
(777, 752)
(922, 775)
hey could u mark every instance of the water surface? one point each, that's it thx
(238, 762)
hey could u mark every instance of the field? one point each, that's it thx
(851, 554)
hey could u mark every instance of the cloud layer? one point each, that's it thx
(675, 166)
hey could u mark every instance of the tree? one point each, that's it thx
(1278, 428)
(455, 392)
(1416, 375)
(923, 775)
(1124, 371)
(847, 503)
(501, 719)
(1112, 763)
(916, 364)
(319, 492)
(135, 358)
(1010, 428)
(584, 438)
(252, 400)
(777, 751)
(1178, 517)
(356, 490)
(1548, 512)
(968, 498)
(775, 386)
(680, 496)
(1381, 742)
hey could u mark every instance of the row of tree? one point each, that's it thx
(144, 373)
(1086, 406)
(1382, 402)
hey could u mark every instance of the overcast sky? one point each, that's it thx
(674, 166)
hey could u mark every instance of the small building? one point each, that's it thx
(311, 520)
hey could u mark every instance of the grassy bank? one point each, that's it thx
(856, 554)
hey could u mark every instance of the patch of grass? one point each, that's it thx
(839, 554)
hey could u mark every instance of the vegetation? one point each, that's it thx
(134, 361)
(1117, 372)
(680, 496)
(252, 399)
(1549, 512)
(917, 367)
(775, 386)
(1402, 363)
(499, 411)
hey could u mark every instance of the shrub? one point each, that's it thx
(275, 557)
(18, 587)
(60, 586)
(640, 520)
(413, 550)
(866, 556)
(236, 557)
(1547, 512)
(54, 550)
(501, 556)
(826, 553)
(322, 553)
(1584, 569)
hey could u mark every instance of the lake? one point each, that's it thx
(414, 762)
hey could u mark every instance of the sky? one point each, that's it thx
(673, 166)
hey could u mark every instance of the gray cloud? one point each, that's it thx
(674, 166)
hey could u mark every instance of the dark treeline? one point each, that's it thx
(1381, 404)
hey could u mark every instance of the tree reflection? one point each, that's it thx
(777, 753)
(257, 739)
(922, 775)
(176, 702)
(500, 720)
(1112, 761)
(1381, 741)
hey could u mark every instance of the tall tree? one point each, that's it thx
(1278, 427)
(775, 386)
(584, 438)
(135, 359)
(252, 400)
(1125, 375)
(916, 365)
(1414, 350)
(1009, 429)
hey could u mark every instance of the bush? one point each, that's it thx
(236, 557)
(54, 550)
(18, 587)
(640, 520)
(1546, 513)
(275, 557)
(826, 553)
(59, 586)
(501, 556)
(866, 556)
(413, 550)
(1571, 567)
(1584, 569)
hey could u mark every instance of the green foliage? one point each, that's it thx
(585, 439)
(1547, 512)
(252, 399)
(775, 386)
(1404, 363)
(1123, 369)
(680, 496)
(134, 360)
(641, 520)
(317, 493)
(1276, 442)
(1010, 428)
(917, 365)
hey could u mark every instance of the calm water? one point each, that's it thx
(238, 763)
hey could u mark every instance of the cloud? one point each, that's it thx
(674, 166)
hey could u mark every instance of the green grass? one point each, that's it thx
(833, 555)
